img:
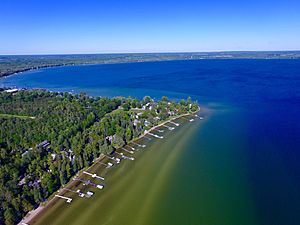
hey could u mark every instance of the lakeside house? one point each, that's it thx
(43, 144)
(12, 91)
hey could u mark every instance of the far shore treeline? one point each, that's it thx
(11, 64)
(47, 137)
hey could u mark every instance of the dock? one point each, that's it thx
(170, 128)
(149, 139)
(139, 145)
(93, 175)
(121, 154)
(131, 152)
(131, 147)
(155, 135)
(108, 165)
(130, 158)
(200, 117)
(88, 182)
(104, 164)
(191, 120)
(160, 131)
(69, 200)
(176, 124)
(77, 192)
(124, 156)
(117, 160)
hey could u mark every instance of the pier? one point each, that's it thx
(69, 200)
(149, 139)
(139, 145)
(77, 192)
(191, 120)
(131, 152)
(117, 160)
(155, 135)
(131, 147)
(93, 175)
(104, 164)
(130, 158)
(124, 156)
(88, 182)
(170, 128)
(108, 165)
(200, 117)
(160, 131)
(176, 124)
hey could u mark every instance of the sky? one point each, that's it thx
(121, 26)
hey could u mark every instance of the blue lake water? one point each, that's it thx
(243, 165)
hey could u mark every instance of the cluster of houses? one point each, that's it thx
(151, 106)
(45, 145)
(31, 183)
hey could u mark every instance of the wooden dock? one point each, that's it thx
(69, 200)
(93, 175)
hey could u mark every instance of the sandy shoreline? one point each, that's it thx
(30, 215)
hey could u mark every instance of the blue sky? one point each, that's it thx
(98, 26)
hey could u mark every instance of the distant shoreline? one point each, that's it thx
(112, 63)
(15, 64)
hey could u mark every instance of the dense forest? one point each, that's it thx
(47, 137)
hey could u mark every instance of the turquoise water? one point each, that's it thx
(241, 166)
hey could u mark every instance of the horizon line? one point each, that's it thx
(166, 52)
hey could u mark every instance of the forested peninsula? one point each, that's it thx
(47, 137)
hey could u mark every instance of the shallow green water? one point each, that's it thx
(133, 188)
(185, 178)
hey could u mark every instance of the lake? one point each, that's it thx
(240, 165)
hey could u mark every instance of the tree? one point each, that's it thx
(128, 134)
(126, 107)
(9, 216)
(27, 206)
(164, 99)
(146, 99)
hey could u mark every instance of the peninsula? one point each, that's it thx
(47, 138)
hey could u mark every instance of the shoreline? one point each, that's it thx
(35, 212)
(33, 68)
(85, 64)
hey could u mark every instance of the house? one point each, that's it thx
(53, 155)
(25, 153)
(135, 122)
(110, 138)
(22, 182)
(43, 144)
(147, 123)
(12, 90)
